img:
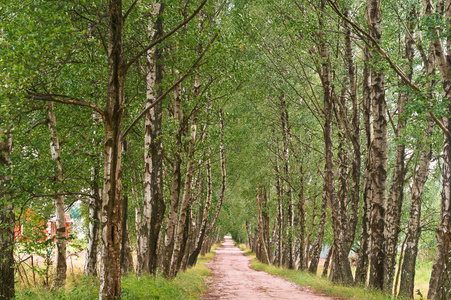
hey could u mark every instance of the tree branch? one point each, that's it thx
(376, 44)
(196, 62)
(143, 51)
(68, 194)
(387, 58)
(129, 10)
(59, 98)
(36, 125)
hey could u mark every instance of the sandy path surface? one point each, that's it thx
(234, 279)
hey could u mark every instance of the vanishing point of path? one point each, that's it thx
(234, 279)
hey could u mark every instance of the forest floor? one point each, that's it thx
(232, 278)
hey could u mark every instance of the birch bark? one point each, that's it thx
(300, 221)
(156, 151)
(174, 197)
(223, 175)
(329, 182)
(287, 198)
(153, 208)
(204, 209)
(318, 243)
(61, 265)
(185, 201)
(354, 136)
(340, 260)
(126, 258)
(396, 193)
(182, 220)
(110, 270)
(363, 261)
(92, 249)
(379, 151)
(440, 282)
(204, 225)
(261, 225)
(408, 267)
(414, 230)
(280, 222)
(340, 269)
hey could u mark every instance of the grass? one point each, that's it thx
(325, 286)
(422, 277)
(187, 285)
(77, 287)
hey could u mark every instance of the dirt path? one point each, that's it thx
(234, 279)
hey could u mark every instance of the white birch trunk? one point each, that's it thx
(92, 249)
(440, 282)
(203, 227)
(143, 243)
(379, 170)
(175, 185)
(413, 235)
(61, 265)
(261, 226)
(223, 176)
(95, 206)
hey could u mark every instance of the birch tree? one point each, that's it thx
(379, 151)
(60, 207)
(439, 285)
(153, 208)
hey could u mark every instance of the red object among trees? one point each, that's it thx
(31, 225)
(51, 227)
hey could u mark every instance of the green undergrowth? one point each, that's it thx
(317, 283)
(187, 285)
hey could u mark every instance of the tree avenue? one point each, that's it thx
(317, 132)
